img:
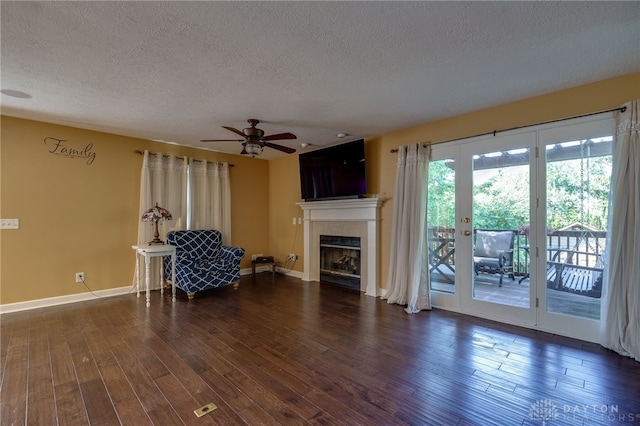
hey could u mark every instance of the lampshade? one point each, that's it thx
(253, 149)
(156, 214)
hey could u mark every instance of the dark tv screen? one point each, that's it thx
(334, 172)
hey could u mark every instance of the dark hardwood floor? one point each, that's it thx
(288, 352)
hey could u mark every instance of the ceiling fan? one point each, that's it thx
(253, 139)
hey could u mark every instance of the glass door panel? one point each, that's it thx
(578, 177)
(441, 219)
(576, 170)
(501, 193)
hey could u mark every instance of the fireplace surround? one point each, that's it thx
(348, 218)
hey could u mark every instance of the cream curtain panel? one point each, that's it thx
(163, 181)
(408, 279)
(620, 321)
(210, 193)
(197, 193)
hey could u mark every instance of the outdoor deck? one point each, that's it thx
(573, 277)
(514, 294)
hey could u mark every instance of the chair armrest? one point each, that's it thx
(231, 253)
(186, 260)
(505, 257)
(228, 259)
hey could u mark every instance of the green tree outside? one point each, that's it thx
(577, 191)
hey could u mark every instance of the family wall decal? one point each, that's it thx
(61, 147)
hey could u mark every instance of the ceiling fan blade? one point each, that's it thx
(280, 148)
(236, 131)
(279, 136)
(221, 140)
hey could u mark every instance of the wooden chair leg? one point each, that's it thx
(236, 285)
(190, 295)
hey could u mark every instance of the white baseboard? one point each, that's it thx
(247, 271)
(289, 272)
(283, 271)
(81, 297)
(61, 300)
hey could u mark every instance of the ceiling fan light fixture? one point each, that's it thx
(253, 149)
(254, 141)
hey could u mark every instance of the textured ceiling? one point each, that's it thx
(178, 71)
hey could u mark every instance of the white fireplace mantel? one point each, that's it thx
(358, 217)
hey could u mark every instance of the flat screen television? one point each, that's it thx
(334, 172)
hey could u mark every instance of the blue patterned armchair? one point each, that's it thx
(202, 262)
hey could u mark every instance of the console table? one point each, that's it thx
(148, 252)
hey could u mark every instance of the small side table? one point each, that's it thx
(150, 251)
(255, 263)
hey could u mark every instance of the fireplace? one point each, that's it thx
(340, 261)
(353, 217)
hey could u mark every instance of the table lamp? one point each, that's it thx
(156, 214)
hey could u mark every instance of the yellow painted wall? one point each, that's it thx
(285, 237)
(381, 164)
(76, 217)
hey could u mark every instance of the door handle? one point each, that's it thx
(466, 233)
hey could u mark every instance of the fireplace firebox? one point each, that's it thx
(340, 261)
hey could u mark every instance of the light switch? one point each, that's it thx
(294, 221)
(9, 223)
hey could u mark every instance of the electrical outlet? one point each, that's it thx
(292, 256)
(79, 277)
(9, 223)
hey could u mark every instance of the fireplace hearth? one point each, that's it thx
(340, 261)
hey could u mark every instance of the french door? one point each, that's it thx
(495, 202)
(517, 226)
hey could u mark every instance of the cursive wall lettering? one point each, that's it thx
(60, 147)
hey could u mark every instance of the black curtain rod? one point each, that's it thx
(137, 151)
(621, 109)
